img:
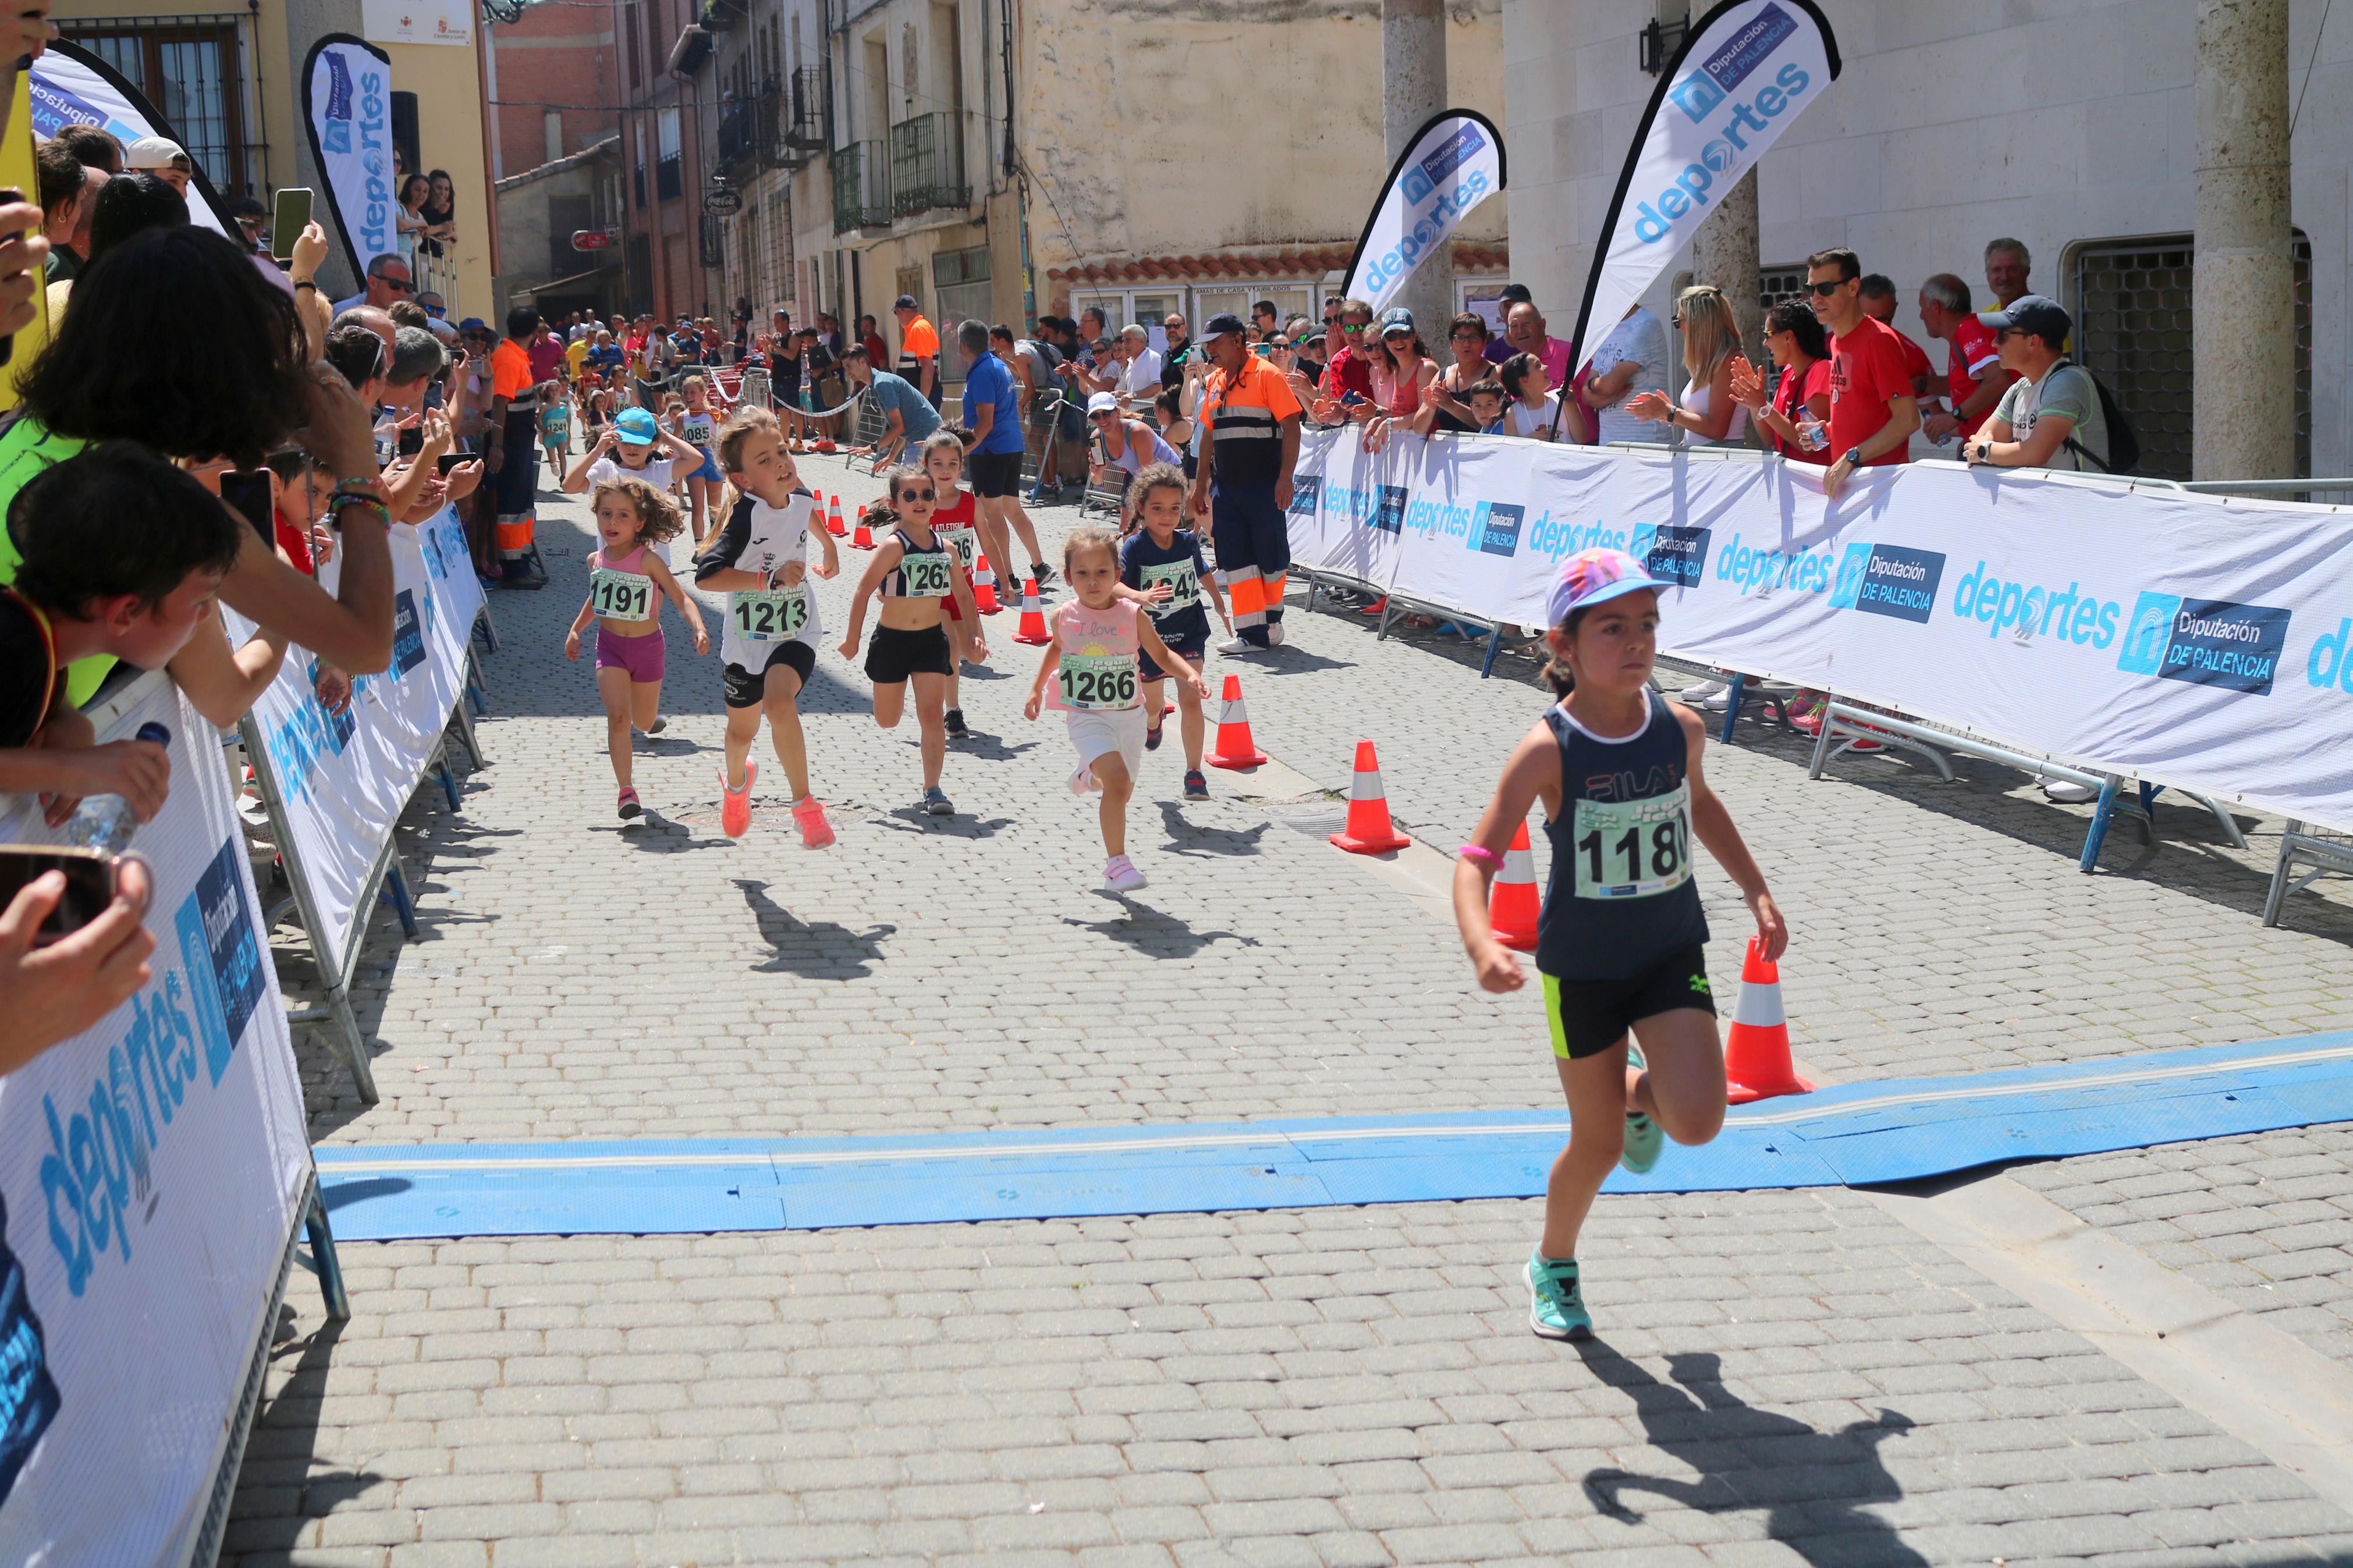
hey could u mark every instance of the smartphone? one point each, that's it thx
(1350, 399)
(412, 441)
(9, 194)
(247, 492)
(1263, 351)
(288, 219)
(89, 884)
(448, 460)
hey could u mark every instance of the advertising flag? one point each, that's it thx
(1452, 164)
(70, 86)
(1744, 75)
(347, 104)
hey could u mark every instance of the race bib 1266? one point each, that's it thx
(1098, 681)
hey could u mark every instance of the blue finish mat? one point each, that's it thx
(1893, 1131)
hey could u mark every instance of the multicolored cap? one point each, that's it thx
(1591, 576)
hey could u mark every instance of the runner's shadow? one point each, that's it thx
(654, 834)
(1154, 934)
(813, 949)
(990, 747)
(1813, 1485)
(914, 819)
(1289, 660)
(1186, 838)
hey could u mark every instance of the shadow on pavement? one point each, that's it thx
(1185, 838)
(813, 949)
(1154, 934)
(283, 1489)
(1812, 1484)
(914, 819)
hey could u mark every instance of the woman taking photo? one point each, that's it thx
(1708, 415)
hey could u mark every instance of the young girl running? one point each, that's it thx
(1620, 938)
(698, 426)
(769, 646)
(955, 520)
(633, 519)
(1159, 549)
(912, 570)
(1091, 665)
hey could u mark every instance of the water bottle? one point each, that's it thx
(106, 822)
(1814, 434)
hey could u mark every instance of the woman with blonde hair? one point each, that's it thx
(1708, 415)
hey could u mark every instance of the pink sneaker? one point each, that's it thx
(736, 804)
(816, 832)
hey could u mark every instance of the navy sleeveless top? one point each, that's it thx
(1621, 896)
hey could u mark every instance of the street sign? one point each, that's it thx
(722, 200)
(592, 238)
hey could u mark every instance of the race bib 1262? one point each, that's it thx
(926, 575)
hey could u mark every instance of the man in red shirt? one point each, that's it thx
(1974, 378)
(1347, 323)
(1879, 304)
(1872, 408)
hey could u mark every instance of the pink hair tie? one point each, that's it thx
(1474, 852)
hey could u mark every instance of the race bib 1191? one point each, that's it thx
(621, 595)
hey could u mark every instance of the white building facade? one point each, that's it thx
(2068, 124)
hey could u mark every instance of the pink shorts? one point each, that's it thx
(641, 656)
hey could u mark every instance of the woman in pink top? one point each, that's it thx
(1091, 669)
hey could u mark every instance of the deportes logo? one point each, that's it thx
(1705, 91)
(2207, 642)
(1888, 580)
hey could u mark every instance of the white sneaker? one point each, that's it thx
(1237, 646)
(1695, 696)
(1274, 633)
(2066, 791)
(1083, 782)
(1120, 876)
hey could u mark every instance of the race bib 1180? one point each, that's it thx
(1633, 848)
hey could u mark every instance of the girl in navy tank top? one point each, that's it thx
(1620, 940)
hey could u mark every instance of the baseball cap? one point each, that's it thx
(472, 324)
(1102, 403)
(2046, 319)
(635, 427)
(1393, 317)
(1221, 324)
(1515, 294)
(1594, 576)
(155, 152)
(904, 302)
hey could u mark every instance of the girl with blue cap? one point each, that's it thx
(1620, 940)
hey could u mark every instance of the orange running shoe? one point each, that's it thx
(736, 804)
(816, 831)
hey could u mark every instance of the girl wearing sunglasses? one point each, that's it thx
(912, 570)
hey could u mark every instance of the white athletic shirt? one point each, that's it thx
(760, 538)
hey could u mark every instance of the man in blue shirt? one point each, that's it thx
(910, 414)
(992, 412)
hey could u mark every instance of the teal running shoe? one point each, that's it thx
(1556, 1304)
(1644, 1142)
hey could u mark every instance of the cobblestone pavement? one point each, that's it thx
(1783, 1377)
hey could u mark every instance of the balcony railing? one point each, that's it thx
(861, 187)
(808, 124)
(927, 164)
(669, 180)
(747, 129)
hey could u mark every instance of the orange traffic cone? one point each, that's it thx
(864, 538)
(1369, 831)
(1032, 630)
(833, 522)
(1235, 747)
(1512, 904)
(1757, 1053)
(983, 587)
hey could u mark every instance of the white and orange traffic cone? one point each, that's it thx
(864, 538)
(1235, 747)
(1512, 903)
(1369, 830)
(833, 521)
(1032, 630)
(983, 587)
(1756, 1052)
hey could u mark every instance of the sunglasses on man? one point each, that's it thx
(1824, 290)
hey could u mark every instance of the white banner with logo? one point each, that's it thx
(148, 1174)
(345, 777)
(1745, 72)
(347, 105)
(431, 22)
(1452, 164)
(2152, 632)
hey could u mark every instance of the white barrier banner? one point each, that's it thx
(149, 1170)
(345, 777)
(2151, 632)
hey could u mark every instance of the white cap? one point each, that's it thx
(1102, 403)
(154, 153)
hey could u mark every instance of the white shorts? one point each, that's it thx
(1119, 730)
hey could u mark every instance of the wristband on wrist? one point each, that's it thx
(1486, 857)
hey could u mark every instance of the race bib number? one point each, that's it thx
(1184, 587)
(926, 575)
(770, 615)
(621, 595)
(697, 428)
(964, 542)
(1633, 848)
(1098, 681)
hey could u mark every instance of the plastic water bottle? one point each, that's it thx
(1814, 434)
(106, 822)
